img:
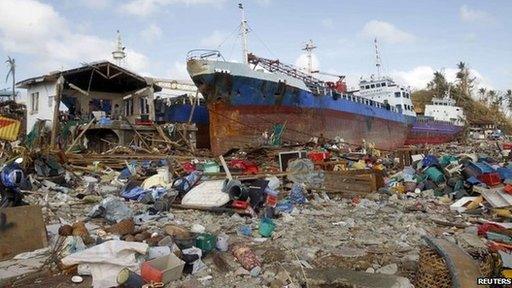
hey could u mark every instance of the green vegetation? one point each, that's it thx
(480, 105)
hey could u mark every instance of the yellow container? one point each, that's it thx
(9, 129)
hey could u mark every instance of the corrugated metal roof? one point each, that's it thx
(9, 129)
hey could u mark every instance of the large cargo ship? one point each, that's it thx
(443, 122)
(246, 101)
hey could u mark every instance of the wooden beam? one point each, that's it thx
(73, 86)
(80, 135)
(55, 121)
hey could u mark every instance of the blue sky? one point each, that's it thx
(416, 37)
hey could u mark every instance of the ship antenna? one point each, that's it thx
(310, 46)
(119, 54)
(378, 63)
(244, 32)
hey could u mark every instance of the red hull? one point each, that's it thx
(241, 126)
(435, 139)
(431, 138)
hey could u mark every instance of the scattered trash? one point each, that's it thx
(164, 269)
(112, 209)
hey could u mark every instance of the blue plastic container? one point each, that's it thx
(481, 167)
(429, 160)
(505, 173)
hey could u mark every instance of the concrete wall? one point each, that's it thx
(46, 103)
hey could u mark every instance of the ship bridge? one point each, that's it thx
(385, 90)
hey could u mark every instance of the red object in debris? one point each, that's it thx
(271, 201)
(508, 189)
(356, 200)
(251, 169)
(491, 179)
(318, 156)
(507, 146)
(489, 227)
(498, 246)
(143, 122)
(188, 167)
(150, 273)
(239, 204)
(247, 167)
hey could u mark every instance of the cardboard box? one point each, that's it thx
(163, 269)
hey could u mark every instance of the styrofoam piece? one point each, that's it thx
(460, 205)
(206, 194)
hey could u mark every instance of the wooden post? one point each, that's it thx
(55, 121)
(225, 166)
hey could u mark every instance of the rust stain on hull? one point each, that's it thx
(242, 126)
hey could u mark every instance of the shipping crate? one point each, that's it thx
(352, 183)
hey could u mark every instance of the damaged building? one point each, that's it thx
(122, 102)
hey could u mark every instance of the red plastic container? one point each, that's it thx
(491, 179)
(507, 146)
(318, 156)
(271, 201)
(508, 189)
(239, 204)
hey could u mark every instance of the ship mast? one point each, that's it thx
(244, 31)
(309, 49)
(378, 63)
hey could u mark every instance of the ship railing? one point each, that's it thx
(366, 101)
(204, 54)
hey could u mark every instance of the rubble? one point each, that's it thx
(346, 218)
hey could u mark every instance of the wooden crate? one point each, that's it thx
(352, 183)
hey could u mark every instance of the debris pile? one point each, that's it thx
(296, 216)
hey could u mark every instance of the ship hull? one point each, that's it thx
(432, 132)
(241, 126)
(243, 104)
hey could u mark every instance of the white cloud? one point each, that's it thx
(263, 2)
(96, 4)
(302, 62)
(147, 7)
(470, 37)
(46, 35)
(179, 71)
(419, 76)
(214, 39)
(386, 32)
(151, 33)
(327, 23)
(473, 15)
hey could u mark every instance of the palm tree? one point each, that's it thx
(438, 84)
(12, 70)
(508, 95)
(465, 81)
(482, 91)
(493, 98)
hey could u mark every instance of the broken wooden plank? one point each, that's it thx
(80, 135)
